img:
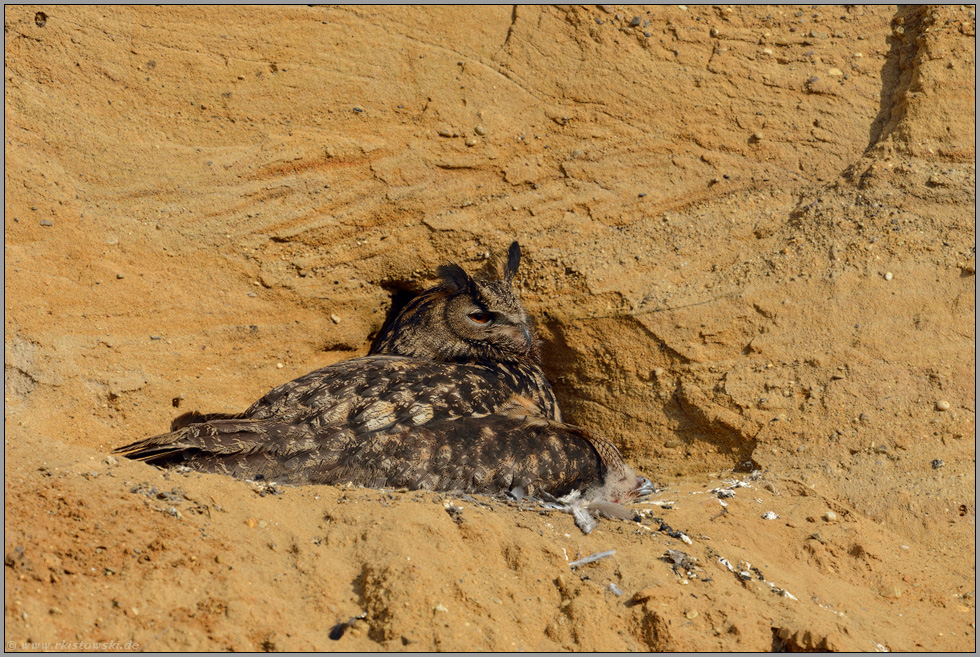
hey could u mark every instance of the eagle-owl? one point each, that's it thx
(451, 397)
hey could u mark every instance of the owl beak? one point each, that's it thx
(527, 337)
(643, 488)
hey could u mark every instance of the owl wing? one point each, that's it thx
(356, 398)
(388, 421)
(366, 393)
(489, 454)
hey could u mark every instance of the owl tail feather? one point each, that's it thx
(155, 447)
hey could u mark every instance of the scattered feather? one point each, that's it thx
(592, 557)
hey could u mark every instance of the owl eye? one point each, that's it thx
(480, 317)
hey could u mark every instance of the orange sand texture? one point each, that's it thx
(750, 246)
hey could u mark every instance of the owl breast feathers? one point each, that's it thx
(450, 398)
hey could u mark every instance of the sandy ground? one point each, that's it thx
(750, 245)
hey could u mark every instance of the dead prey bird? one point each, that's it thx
(451, 398)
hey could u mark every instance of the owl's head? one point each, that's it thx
(465, 317)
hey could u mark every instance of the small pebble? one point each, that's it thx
(279, 366)
(942, 405)
(830, 516)
(46, 222)
(636, 21)
(446, 132)
(715, 32)
(691, 615)
(480, 130)
(156, 337)
(358, 109)
(889, 276)
(334, 319)
(120, 276)
(891, 592)
(758, 135)
(441, 607)
(836, 72)
(471, 142)
(937, 463)
(770, 515)
(644, 595)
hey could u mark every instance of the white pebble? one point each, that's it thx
(888, 276)
(942, 405)
(335, 319)
(830, 516)
(279, 365)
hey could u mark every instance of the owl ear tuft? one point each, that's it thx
(513, 261)
(454, 277)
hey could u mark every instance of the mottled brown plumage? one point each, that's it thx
(438, 325)
(451, 398)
